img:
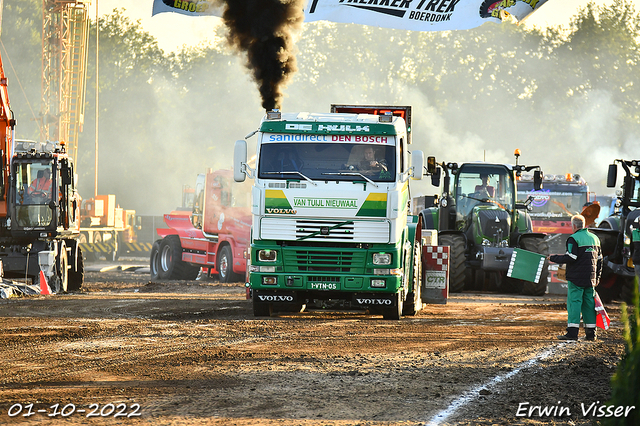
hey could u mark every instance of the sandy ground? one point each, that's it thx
(126, 350)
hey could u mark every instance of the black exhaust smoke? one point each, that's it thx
(264, 30)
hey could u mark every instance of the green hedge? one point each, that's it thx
(625, 383)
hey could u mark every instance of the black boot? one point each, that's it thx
(572, 334)
(591, 334)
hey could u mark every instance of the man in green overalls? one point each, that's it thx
(584, 267)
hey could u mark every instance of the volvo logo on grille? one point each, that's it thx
(275, 298)
(324, 230)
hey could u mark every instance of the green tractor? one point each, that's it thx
(481, 222)
(618, 275)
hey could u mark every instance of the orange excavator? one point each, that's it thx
(38, 220)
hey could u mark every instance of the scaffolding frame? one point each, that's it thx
(65, 39)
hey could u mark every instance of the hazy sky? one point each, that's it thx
(173, 30)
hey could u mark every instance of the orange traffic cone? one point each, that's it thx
(44, 286)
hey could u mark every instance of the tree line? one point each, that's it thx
(568, 97)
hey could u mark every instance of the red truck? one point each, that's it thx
(561, 197)
(214, 235)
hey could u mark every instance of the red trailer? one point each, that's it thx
(214, 235)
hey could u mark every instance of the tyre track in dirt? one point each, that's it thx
(200, 357)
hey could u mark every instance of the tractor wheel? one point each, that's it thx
(609, 287)
(154, 260)
(171, 266)
(540, 246)
(626, 289)
(413, 304)
(76, 273)
(456, 260)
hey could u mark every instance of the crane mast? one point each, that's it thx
(65, 34)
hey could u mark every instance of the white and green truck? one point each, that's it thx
(330, 212)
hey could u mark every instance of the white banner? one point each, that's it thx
(419, 15)
(188, 7)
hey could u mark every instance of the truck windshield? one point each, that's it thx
(327, 161)
(33, 191)
(551, 203)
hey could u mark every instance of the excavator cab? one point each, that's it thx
(32, 194)
(43, 199)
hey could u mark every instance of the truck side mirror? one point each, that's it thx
(537, 180)
(417, 163)
(239, 160)
(612, 176)
(435, 177)
(431, 165)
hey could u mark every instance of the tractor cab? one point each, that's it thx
(481, 222)
(481, 190)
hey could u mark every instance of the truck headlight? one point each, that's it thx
(382, 258)
(378, 283)
(267, 280)
(267, 255)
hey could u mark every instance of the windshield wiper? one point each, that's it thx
(313, 234)
(353, 174)
(292, 172)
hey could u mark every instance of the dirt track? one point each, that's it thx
(192, 353)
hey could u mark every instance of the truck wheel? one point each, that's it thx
(171, 266)
(62, 268)
(154, 260)
(76, 274)
(413, 304)
(225, 265)
(261, 309)
(457, 268)
(540, 246)
(395, 312)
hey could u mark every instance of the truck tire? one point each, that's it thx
(225, 265)
(413, 304)
(395, 312)
(154, 260)
(171, 266)
(540, 246)
(62, 269)
(76, 274)
(457, 276)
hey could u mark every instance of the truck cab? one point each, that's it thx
(330, 212)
